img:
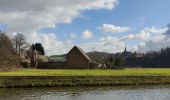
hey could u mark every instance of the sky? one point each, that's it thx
(93, 25)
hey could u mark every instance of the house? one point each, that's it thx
(76, 58)
(138, 55)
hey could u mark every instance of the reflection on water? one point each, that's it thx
(87, 93)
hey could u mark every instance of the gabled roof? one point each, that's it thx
(81, 51)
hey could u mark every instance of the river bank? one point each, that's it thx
(57, 81)
(84, 77)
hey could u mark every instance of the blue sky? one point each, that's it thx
(137, 14)
(146, 20)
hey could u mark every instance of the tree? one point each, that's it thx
(39, 48)
(19, 41)
(5, 43)
(118, 63)
(7, 52)
(32, 47)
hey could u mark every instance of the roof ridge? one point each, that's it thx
(83, 53)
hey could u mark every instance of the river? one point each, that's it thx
(88, 93)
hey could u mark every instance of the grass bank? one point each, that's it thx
(95, 72)
(51, 81)
(45, 77)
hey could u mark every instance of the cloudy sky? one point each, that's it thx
(94, 25)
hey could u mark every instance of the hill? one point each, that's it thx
(100, 56)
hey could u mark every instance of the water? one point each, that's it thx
(87, 93)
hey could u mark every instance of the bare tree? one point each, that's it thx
(20, 42)
(7, 52)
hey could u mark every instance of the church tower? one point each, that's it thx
(125, 50)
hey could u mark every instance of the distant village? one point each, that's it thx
(16, 52)
(76, 58)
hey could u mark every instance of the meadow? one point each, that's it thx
(91, 72)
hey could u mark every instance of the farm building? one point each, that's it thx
(76, 58)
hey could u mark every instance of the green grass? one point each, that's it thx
(95, 72)
(96, 77)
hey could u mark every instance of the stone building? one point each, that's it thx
(76, 58)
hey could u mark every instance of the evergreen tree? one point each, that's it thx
(117, 61)
(39, 48)
(33, 47)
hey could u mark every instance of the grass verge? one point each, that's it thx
(51, 81)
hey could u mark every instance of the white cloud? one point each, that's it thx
(157, 30)
(29, 16)
(150, 39)
(87, 34)
(154, 45)
(51, 43)
(108, 28)
(145, 34)
(157, 41)
(104, 44)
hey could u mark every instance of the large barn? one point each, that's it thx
(76, 58)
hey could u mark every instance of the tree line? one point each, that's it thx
(152, 59)
(11, 49)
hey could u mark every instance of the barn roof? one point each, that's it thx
(82, 52)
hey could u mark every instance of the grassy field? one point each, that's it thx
(95, 72)
(96, 77)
